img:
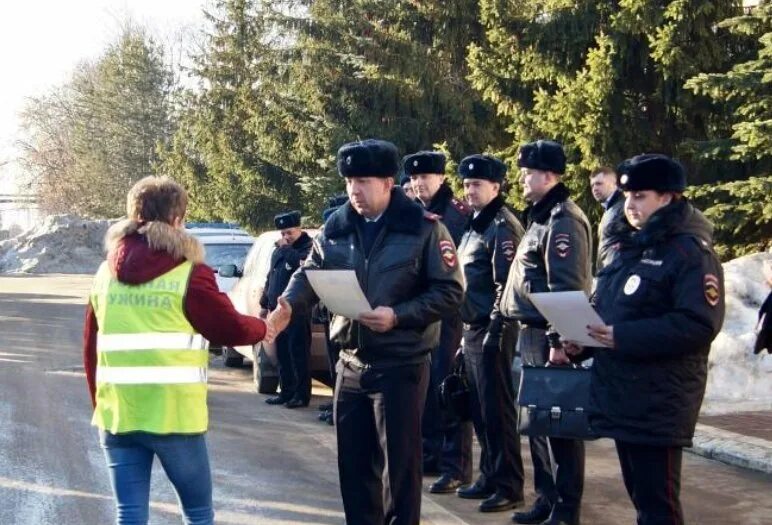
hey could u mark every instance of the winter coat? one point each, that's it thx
(486, 252)
(664, 297)
(453, 213)
(412, 267)
(553, 256)
(138, 253)
(613, 228)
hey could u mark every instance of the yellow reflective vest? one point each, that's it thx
(151, 364)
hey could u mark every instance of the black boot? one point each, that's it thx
(445, 485)
(537, 514)
(277, 400)
(499, 502)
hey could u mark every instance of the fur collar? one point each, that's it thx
(486, 215)
(402, 215)
(540, 212)
(159, 236)
(441, 200)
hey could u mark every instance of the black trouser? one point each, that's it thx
(293, 347)
(652, 477)
(565, 490)
(493, 410)
(446, 440)
(378, 425)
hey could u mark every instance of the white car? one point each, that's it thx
(224, 247)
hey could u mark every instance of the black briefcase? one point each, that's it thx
(455, 397)
(553, 402)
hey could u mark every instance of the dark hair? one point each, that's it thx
(606, 170)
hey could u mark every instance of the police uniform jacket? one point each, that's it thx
(486, 251)
(284, 261)
(612, 229)
(453, 212)
(553, 256)
(664, 297)
(412, 267)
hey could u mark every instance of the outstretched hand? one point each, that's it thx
(281, 315)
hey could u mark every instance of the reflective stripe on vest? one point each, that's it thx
(151, 364)
(145, 375)
(150, 341)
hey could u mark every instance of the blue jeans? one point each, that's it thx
(185, 460)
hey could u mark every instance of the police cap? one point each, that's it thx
(652, 171)
(482, 167)
(543, 155)
(368, 158)
(290, 219)
(424, 162)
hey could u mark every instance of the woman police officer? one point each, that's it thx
(662, 302)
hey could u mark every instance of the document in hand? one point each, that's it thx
(569, 313)
(340, 292)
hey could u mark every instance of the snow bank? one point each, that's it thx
(59, 244)
(737, 378)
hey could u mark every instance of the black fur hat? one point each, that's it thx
(290, 219)
(424, 162)
(482, 167)
(368, 158)
(652, 171)
(544, 155)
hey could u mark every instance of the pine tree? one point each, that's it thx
(605, 78)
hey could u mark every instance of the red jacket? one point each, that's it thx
(207, 309)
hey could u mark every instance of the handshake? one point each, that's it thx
(277, 320)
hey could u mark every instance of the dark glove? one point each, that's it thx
(492, 339)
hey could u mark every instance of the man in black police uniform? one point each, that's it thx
(406, 264)
(613, 227)
(447, 442)
(554, 255)
(294, 344)
(486, 251)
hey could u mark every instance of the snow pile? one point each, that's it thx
(59, 244)
(737, 378)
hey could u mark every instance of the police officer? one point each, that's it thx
(294, 344)
(554, 255)
(407, 186)
(447, 442)
(486, 251)
(406, 265)
(662, 302)
(613, 225)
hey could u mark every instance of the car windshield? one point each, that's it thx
(220, 254)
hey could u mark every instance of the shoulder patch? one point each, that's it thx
(431, 217)
(562, 244)
(712, 290)
(448, 253)
(508, 248)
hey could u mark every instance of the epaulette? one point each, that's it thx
(431, 217)
(557, 209)
(460, 206)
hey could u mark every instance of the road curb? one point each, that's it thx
(732, 448)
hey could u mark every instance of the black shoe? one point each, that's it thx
(499, 502)
(329, 419)
(296, 402)
(537, 514)
(474, 491)
(445, 485)
(277, 400)
(563, 515)
(323, 415)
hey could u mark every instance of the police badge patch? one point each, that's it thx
(562, 244)
(448, 253)
(508, 249)
(712, 293)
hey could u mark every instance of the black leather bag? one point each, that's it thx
(553, 402)
(455, 400)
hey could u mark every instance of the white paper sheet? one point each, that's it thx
(340, 292)
(569, 313)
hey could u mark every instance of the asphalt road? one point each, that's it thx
(270, 464)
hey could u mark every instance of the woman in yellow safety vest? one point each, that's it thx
(153, 309)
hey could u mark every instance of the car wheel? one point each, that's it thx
(264, 374)
(233, 359)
